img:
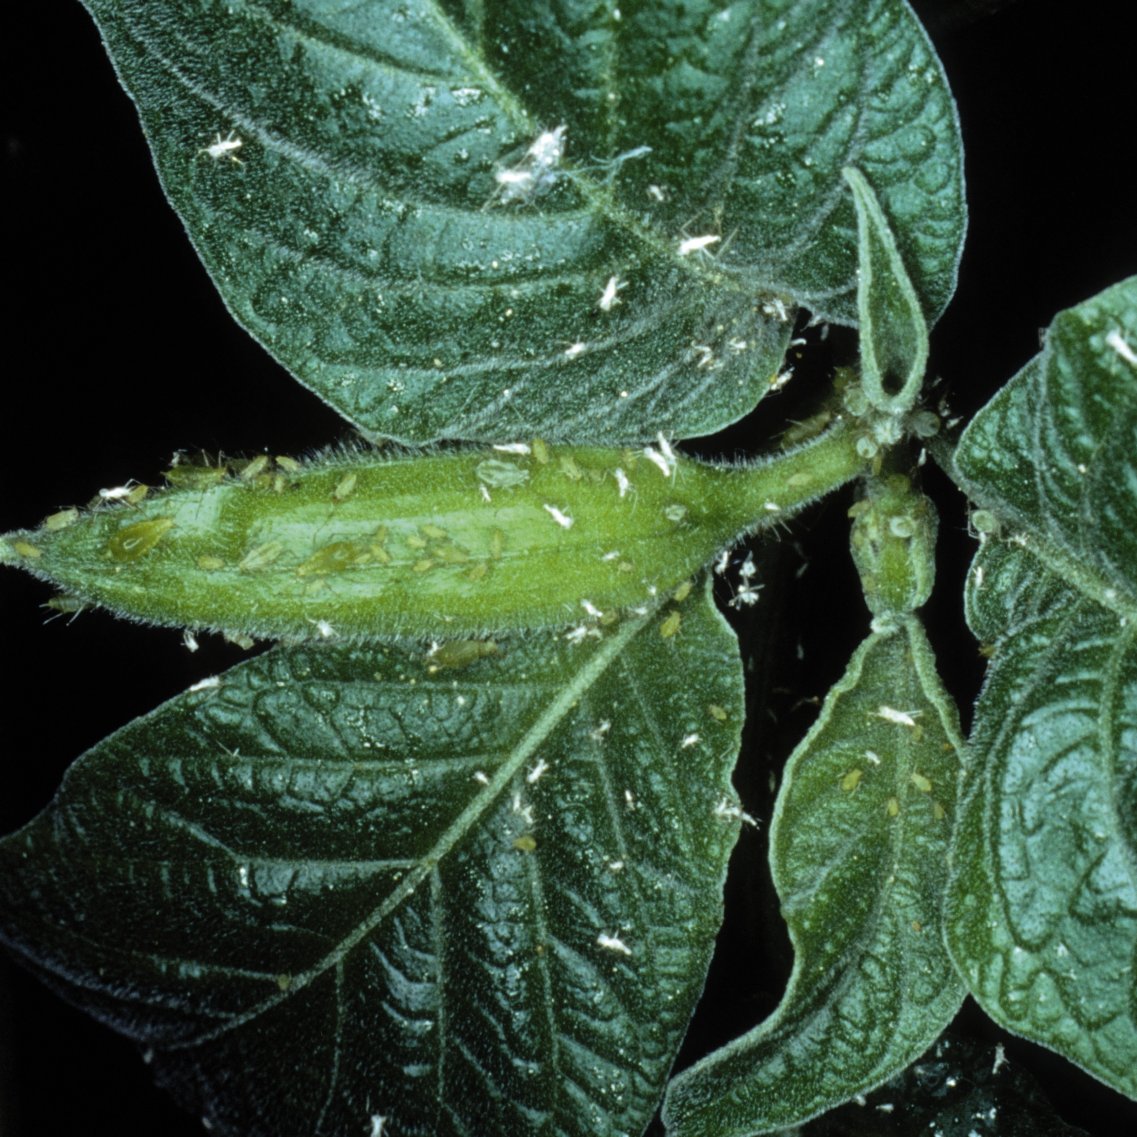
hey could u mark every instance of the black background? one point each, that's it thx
(118, 352)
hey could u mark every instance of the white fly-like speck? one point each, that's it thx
(323, 629)
(748, 569)
(691, 245)
(591, 609)
(781, 379)
(622, 482)
(629, 799)
(536, 172)
(601, 730)
(609, 298)
(481, 777)
(485, 494)
(534, 775)
(378, 1125)
(611, 556)
(771, 507)
(189, 640)
(873, 757)
(226, 147)
(613, 943)
(689, 740)
(901, 718)
(615, 866)
(561, 518)
(886, 1107)
(722, 563)
(1000, 1058)
(1117, 341)
(513, 447)
(206, 684)
(575, 349)
(656, 193)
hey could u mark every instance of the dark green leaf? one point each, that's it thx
(455, 219)
(858, 851)
(340, 884)
(1043, 898)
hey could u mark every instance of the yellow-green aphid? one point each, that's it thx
(135, 541)
(456, 654)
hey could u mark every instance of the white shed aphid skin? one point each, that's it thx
(535, 775)
(513, 447)
(622, 482)
(560, 517)
(691, 245)
(226, 147)
(657, 459)
(609, 298)
(575, 349)
(208, 684)
(131, 493)
(536, 173)
(378, 1125)
(776, 307)
(613, 943)
(901, 718)
(1117, 341)
(189, 640)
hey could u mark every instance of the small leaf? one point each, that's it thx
(858, 851)
(894, 335)
(333, 885)
(448, 219)
(1043, 897)
(455, 543)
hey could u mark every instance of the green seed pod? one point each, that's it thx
(425, 544)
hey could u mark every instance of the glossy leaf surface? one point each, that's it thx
(454, 219)
(1043, 902)
(337, 885)
(858, 851)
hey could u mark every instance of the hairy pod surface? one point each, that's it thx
(449, 543)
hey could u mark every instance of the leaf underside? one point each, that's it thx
(858, 849)
(340, 884)
(1043, 899)
(469, 220)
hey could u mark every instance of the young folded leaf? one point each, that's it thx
(440, 545)
(1042, 907)
(894, 334)
(334, 886)
(858, 850)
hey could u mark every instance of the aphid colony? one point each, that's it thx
(468, 542)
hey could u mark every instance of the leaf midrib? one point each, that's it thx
(566, 700)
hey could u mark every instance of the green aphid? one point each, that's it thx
(133, 542)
